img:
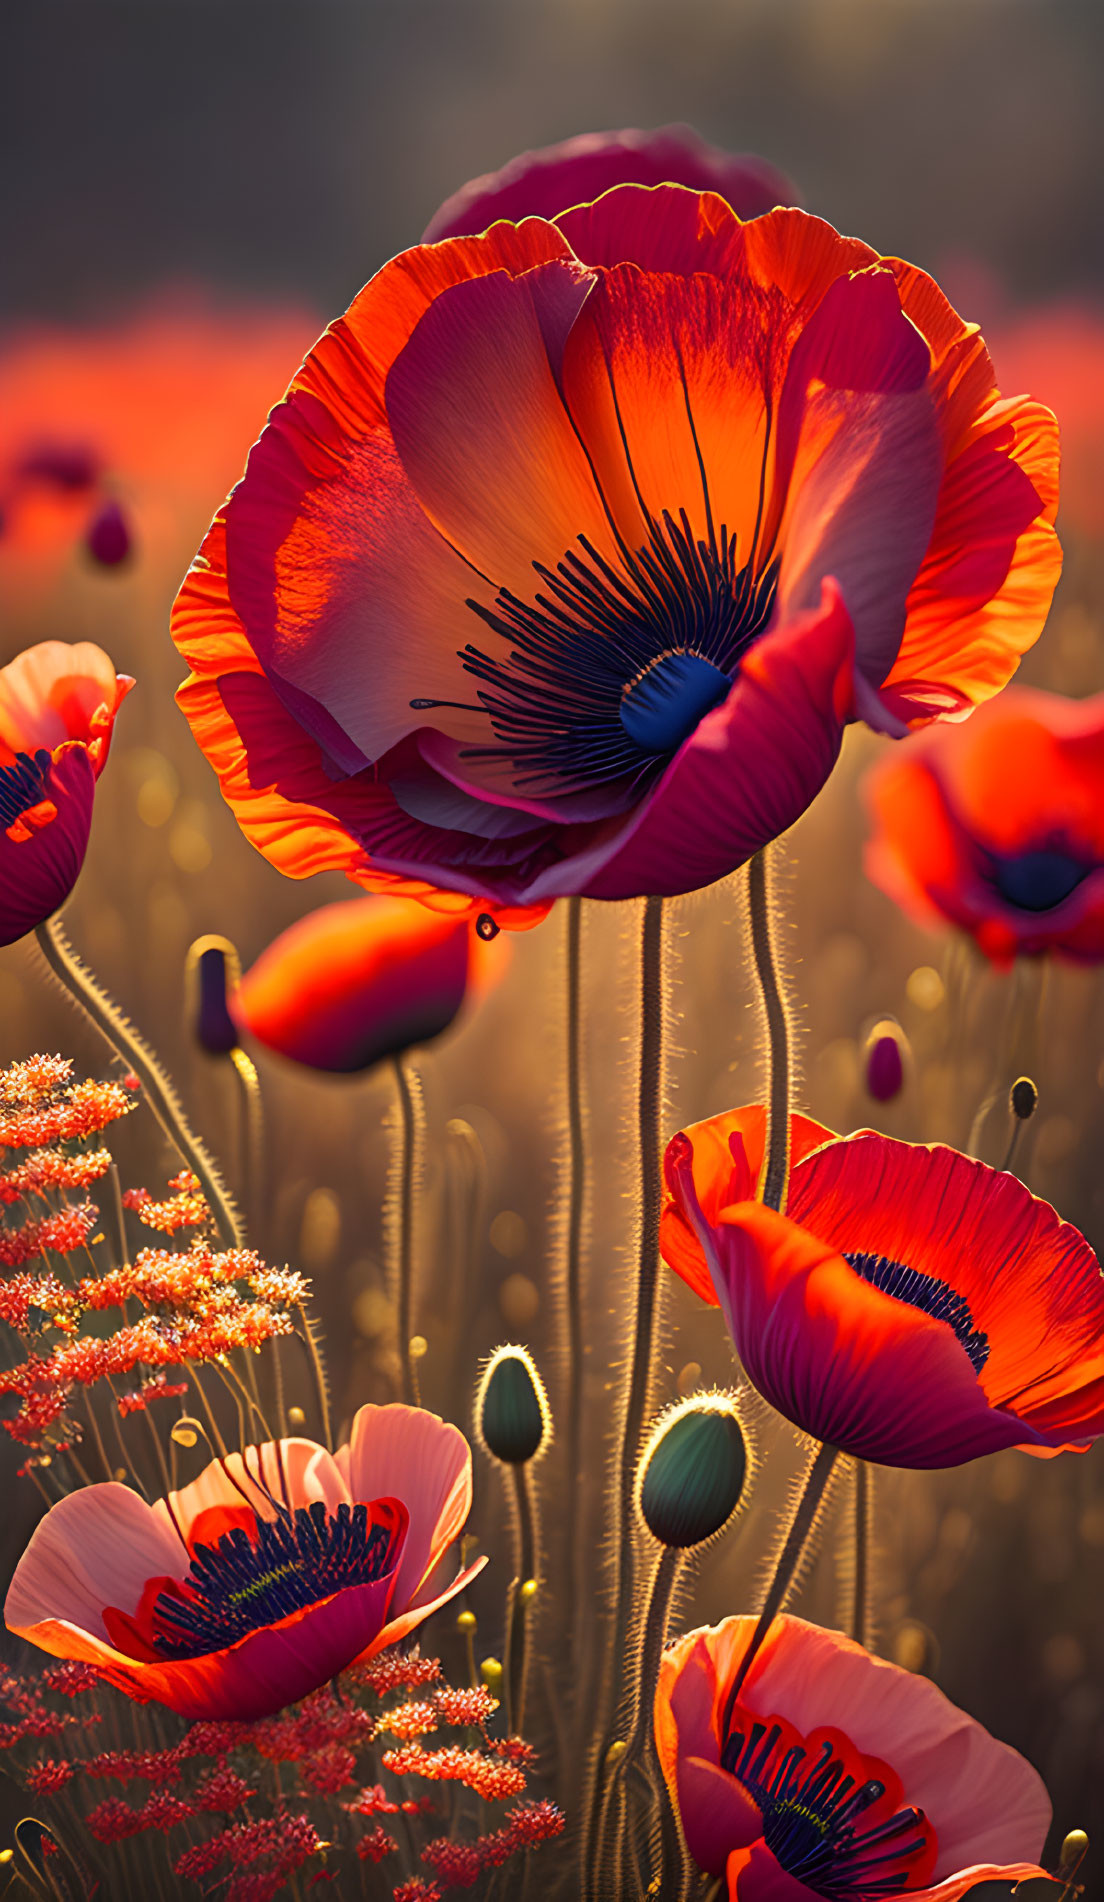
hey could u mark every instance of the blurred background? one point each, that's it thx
(193, 188)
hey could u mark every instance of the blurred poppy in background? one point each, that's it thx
(543, 183)
(913, 1307)
(1058, 352)
(998, 826)
(835, 1773)
(572, 547)
(57, 711)
(361, 980)
(123, 435)
(260, 1580)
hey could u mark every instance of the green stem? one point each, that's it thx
(88, 995)
(776, 1149)
(801, 1525)
(407, 1145)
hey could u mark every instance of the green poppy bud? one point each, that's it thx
(511, 1409)
(694, 1470)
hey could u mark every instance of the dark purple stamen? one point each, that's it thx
(927, 1293)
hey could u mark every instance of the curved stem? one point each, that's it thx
(776, 1149)
(638, 1742)
(860, 1601)
(801, 1525)
(253, 1151)
(86, 992)
(405, 1173)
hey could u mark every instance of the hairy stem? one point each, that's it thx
(89, 996)
(576, 1193)
(860, 1598)
(638, 1387)
(776, 1150)
(516, 1651)
(801, 1525)
(405, 1175)
(638, 1743)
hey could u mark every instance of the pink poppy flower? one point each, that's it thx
(262, 1579)
(572, 548)
(998, 826)
(57, 711)
(543, 183)
(912, 1307)
(835, 1774)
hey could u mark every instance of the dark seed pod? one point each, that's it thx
(213, 970)
(884, 1060)
(511, 1409)
(1023, 1098)
(693, 1471)
(108, 537)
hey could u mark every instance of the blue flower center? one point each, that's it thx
(256, 1577)
(609, 669)
(927, 1293)
(663, 707)
(1037, 881)
(812, 1809)
(22, 785)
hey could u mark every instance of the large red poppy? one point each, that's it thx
(573, 546)
(57, 711)
(263, 1578)
(835, 1774)
(998, 826)
(913, 1307)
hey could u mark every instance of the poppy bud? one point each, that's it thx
(213, 970)
(1074, 1848)
(1023, 1099)
(108, 537)
(693, 1471)
(884, 1056)
(511, 1409)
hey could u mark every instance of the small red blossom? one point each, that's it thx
(53, 1169)
(490, 1780)
(49, 1775)
(407, 1721)
(376, 1845)
(417, 1890)
(62, 1233)
(462, 1707)
(396, 1670)
(71, 1678)
(185, 1207)
(82, 1109)
(156, 1388)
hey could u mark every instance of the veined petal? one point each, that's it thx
(94, 1547)
(409, 1454)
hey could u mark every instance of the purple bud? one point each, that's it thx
(108, 538)
(885, 1061)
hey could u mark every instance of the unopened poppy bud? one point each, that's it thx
(213, 970)
(884, 1058)
(491, 1672)
(1074, 1849)
(1023, 1099)
(693, 1471)
(108, 537)
(512, 1417)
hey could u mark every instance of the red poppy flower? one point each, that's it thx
(1059, 349)
(913, 1307)
(359, 981)
(573, 546)
(998, 826)
(835, 1773)
(543, 183)
(57, 711)
(263, 1578)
